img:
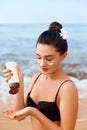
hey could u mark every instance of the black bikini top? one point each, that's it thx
(49, 109)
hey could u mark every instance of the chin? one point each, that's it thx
(44, 72)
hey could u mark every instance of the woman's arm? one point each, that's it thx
(68, 106)
(20, 97)
(46, 123)
(68, 110)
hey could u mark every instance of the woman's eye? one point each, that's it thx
(38, 57)
(49, 59)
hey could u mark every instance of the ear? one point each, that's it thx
(64, 55)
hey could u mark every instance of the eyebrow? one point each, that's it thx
(45, 55)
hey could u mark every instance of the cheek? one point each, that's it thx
(51, 63)
(54, 65)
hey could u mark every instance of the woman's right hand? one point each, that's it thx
(7, 73)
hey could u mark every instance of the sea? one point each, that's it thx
(17, 43)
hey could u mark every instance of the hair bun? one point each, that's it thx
(55, 26)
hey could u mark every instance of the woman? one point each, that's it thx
(51, 100)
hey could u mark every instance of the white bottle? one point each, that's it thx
(14, 81)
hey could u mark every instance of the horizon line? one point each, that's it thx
(40, 23)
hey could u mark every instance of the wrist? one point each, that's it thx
(31, 111)
(21, 86)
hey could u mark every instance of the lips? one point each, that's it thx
(44, 69)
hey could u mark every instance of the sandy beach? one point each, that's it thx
(24, 125)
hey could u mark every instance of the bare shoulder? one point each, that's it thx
(69, 89)
(68, 105)
(69, 85)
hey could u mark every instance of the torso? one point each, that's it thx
(44, 96)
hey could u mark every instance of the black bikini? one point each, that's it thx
(49, 109)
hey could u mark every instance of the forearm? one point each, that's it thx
(44, 121)
(19, 100)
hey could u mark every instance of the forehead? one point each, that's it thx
(45, 49)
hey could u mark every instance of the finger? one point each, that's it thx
(18, 114)
(8, 114)
(19, 118)
(7, 75)
(7, 71)
(4, 66)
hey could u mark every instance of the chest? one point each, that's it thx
(44, 90)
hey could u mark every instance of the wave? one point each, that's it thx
(4, 87)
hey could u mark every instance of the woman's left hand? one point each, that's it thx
(18, 115)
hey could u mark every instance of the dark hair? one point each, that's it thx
(52, 37)
(55, 26)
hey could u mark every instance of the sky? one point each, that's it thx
(43, 11)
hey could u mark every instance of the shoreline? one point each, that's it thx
(78, 75)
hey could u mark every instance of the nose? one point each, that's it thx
(42, 62)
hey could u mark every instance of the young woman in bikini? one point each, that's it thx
(51, 99)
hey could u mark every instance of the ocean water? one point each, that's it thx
(17, 43)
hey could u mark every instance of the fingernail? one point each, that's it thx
(14, 116)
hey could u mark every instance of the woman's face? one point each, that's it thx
(48, 58)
